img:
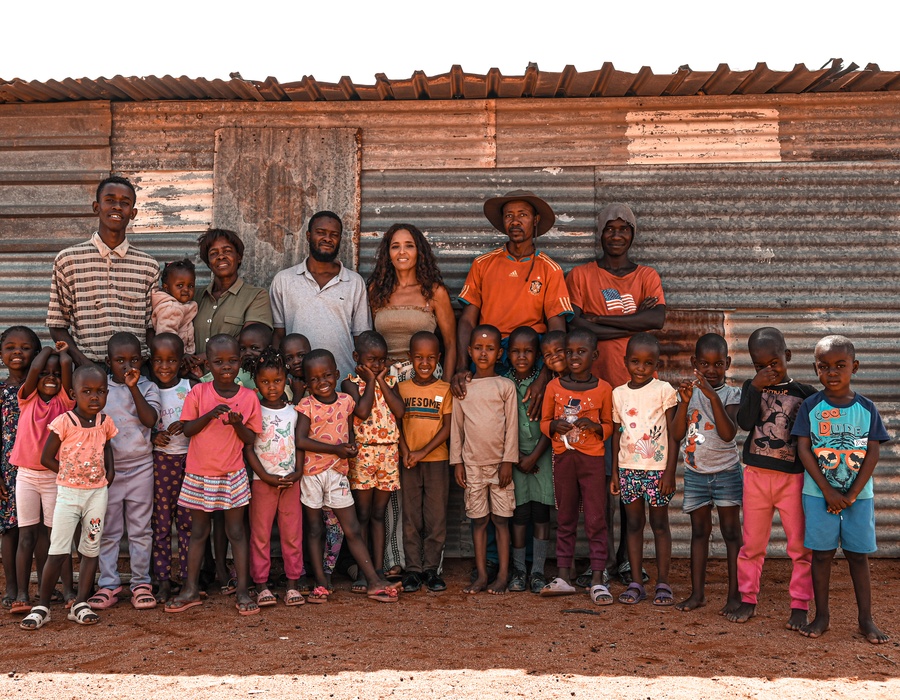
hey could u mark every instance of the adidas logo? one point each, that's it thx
(513, 274)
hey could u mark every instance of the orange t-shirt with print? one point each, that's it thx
(328, 423)
(81, 460)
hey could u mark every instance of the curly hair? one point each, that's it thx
(269, 358)
(210, 236)
(383, 280)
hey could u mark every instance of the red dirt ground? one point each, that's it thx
(454, 645)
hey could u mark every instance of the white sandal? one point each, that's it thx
(83, 615)
(37, 618)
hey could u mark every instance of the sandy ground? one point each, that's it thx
(450, 645)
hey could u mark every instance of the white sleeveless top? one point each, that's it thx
(275, 444)
(172, 401)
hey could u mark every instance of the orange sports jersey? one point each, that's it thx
(513, 293)
(598, 292)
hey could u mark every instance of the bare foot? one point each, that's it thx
(692, 603)
(873, 634)
(476, 586)
(798, 620)
(816, 628)
(164, 592)
(730, 606)
(498, 587)
(742, 613)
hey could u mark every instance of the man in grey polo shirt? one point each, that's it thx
(320, 298)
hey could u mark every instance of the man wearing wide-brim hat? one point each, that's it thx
(514, 285)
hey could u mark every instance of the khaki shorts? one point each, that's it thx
(73, 506)
(328, 489)
(35, 492)
(483, 494)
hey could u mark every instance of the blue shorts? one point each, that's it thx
(853, 530)
(635, 484)
(725, 488)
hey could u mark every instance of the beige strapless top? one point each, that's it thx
(399, 323)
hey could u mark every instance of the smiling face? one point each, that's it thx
(641, 361)
(293, 350)
(321, 379)
(224, 259)
(424, 353)
(50, 378)
(270, 382)
(165, 361)
(17, 351)
(403, 251)
(765, 355)
(224, 361)
(122, 358)
(580, 355)
(180, 284)
(835, 369)
(115, 208)
(519, 221)
(616, 238)
(712, 364)
(324, 239)
(554, 353)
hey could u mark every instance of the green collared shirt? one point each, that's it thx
(239, 305)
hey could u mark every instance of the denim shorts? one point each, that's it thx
(852, 530)
(725, 488)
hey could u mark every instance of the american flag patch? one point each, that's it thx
(619, 302)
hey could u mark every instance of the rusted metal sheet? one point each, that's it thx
(173, 201)
(268, 182)
(457, 84)
(874, 332)
(25, 266)
(180, 135)
(51, 159)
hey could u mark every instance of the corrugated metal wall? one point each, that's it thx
(756, 210)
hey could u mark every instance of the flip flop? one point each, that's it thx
(663, 597)
(83, 615)
(600, 595)
(292, 597)
(230, 587)
(266, 598)
(384, 595)
(557, 587)
(178, 606)
(104, 598)
(319, 594)
(632, 595)
(142, 597)
(245, 609)
(37, 618)
(20, 607)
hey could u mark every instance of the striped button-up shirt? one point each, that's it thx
(96, 291)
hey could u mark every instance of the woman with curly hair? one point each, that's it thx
(407, 295)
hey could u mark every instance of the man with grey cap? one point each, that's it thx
(615, 298)
(514, 285)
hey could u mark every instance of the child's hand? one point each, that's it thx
(285, 482)
(131, 378)
(365, 374)
(767, 376)
(835, 501)
(176, 428)
(527, 464)
(269, 479)
(667, 482)
(459, 471)
(703, 384)
(234, 418)
(505, 474)
(648, 303)
(587, 424)
(219, 410)
(686, 391)
(61, 346)
(161, 439)
(347, 450)
(382, 374)
(4, 493)
(614, 482)
(414, 457)
(560, 427)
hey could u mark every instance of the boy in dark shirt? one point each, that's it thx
(773, 477)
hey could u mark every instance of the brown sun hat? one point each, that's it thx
(493, 210)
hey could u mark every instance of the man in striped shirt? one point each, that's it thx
(102, 286)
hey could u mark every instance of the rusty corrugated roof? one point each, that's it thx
(457, 84)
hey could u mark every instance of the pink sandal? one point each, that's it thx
(104, 598)
(142, 597)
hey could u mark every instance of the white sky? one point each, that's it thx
(332, 38)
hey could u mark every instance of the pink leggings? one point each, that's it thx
(765, 491)
(266, 502)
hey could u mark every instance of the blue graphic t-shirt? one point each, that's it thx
(840, 436)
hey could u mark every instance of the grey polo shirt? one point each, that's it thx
(329, 317)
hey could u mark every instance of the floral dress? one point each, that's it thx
(9, 415)
(377, 464)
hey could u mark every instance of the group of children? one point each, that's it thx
(268, 434)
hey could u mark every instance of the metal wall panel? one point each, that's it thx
(51, 158)
(180, 135)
